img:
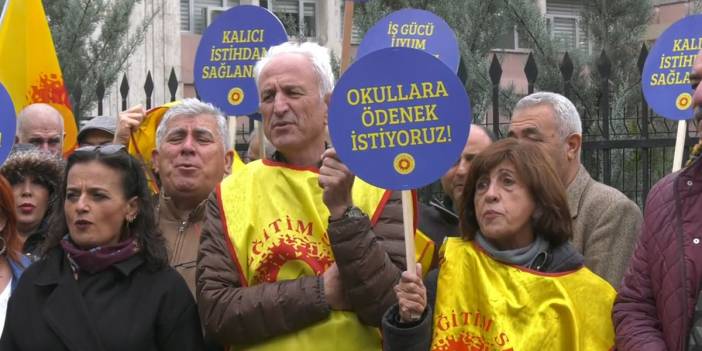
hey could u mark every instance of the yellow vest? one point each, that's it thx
(277, 222)
(482, 304)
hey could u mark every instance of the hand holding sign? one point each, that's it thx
(337, 180)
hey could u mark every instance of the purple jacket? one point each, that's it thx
(654, 307)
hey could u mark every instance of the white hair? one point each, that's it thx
(566, 115)
(191, 108)
(318, 56)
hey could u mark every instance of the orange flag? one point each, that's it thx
(29, 68)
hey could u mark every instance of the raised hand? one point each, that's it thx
(336, 179)
(129, 120)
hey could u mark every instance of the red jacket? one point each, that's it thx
(654, 307)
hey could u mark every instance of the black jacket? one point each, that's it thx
(438, 220)
(32, 246)
(126, 307)
(417, 336)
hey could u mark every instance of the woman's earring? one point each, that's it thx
(4, 245)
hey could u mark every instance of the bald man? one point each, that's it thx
(42, 126)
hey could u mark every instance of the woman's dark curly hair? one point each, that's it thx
(44, 168)
(144, 227)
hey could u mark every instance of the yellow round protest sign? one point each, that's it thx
(683, 101)
(404, 163)
(235, 96)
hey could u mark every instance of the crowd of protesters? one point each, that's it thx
(293, 252)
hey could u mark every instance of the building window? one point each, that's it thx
(298, 16)
(309, 16)
(513, 40)
(195, 15)
(564, 24)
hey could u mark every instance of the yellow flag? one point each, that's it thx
(143, 140)
(237, 163)
(29, 68)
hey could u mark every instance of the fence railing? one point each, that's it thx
(630, 152)
(148, 88)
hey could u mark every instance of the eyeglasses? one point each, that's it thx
(105, 149)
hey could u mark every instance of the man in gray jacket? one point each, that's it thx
(605, 222)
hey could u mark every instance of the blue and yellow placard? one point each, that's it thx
(8, 123)
(416, 29)
(227, 53)
(399, 118)
(666, 74)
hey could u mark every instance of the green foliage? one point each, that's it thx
(481, 24)
(616, 26)
(291, 25)
(696, 6)
(93, 41)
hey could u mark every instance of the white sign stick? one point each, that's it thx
(679, 145)
(408, 221)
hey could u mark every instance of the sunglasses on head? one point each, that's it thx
(105, 149)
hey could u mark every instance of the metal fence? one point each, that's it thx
(630, 153)
(148, 87)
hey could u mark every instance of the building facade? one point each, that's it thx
(172, 39)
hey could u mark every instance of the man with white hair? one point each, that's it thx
(605, 221)
(191, 157)
(42, 126)
(297, 253)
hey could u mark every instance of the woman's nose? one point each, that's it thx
(491, 193)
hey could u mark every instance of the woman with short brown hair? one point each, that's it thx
(512, 281)
(552, 217)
